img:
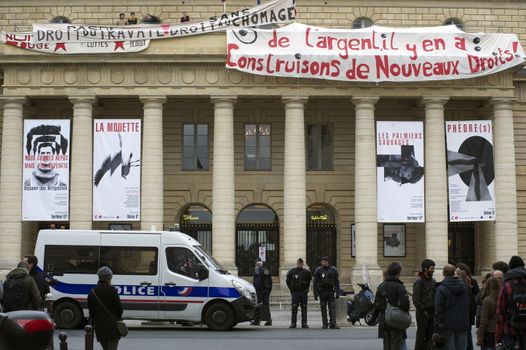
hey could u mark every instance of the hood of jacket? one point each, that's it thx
(391, 278)
(518, 272)
(454, 285)
(19, 272)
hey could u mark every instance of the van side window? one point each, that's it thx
(183, 262)
(130, 260)
(71, 259)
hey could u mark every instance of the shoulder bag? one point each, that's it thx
(121, 326)
(397, 318)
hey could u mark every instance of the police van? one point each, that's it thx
(159, 276)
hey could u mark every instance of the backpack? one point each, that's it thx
(14, 297)
(518, 304)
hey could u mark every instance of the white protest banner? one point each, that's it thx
(45, 192)
(470, 170)
(25, 41)
(64, 37)
(117, 170)
(371, 54)
(400, 171)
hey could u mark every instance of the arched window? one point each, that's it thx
(362, 22)
(321, 235)
(257, 235)
(60, 19)
(455, 21)
(196, 221)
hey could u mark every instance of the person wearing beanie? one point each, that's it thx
(508, 330)
(105, 309)
(423, 299)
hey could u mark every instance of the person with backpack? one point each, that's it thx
(20, 290)
(39, 278)
(511, 307)
(391, 291)
(424, 299)
(452, 310)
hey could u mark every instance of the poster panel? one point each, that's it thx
(45, 190)
(470, 170)
(400, 171)
(117, 170)
(394, 240)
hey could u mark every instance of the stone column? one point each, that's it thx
(506, 238)
(436, 238)
(223, 184)
(365, 205)
(152, 177)
(11, 183)
(81, 183)
(294, 185)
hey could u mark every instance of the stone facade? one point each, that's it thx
(184, 81)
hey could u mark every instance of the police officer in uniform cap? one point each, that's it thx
(326, 284)
(263, 285)
(298, 281)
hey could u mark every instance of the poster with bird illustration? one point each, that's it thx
(470, 170)
(117, 170)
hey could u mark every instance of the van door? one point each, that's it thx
(184, 284)
(134, 260)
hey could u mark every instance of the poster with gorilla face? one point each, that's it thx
(117, 170)
(400, 171)
(45, 190)
(470, 170)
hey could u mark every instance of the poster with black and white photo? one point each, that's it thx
(45, 191)
(394, 240)
(470, 170)
(117, 170)
(400, 171)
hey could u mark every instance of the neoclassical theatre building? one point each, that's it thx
(241, 161)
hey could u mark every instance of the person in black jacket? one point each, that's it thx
(391, 291)
(105, 309)
(452, 310)
(298, 281)
(326, 285)
(39, 278)
(424, 300)
(263, 285)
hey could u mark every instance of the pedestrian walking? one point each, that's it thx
(424, 300)
(452, 310)
(20, 291)
(105, 310)
(391, 291)
(511, 307)
(39, 277)
(263, 285)
(327, 288)
(298, 281)
(488, 316)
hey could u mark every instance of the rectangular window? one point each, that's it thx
(184, 262)
(319, 147)
(258, 153)
(195, 147)
(129, 260)
(60, 259)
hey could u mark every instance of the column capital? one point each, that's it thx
(503, 102)
(79, 100)
(223, 99)
(429, 101)
(364, 100)
(13, 100)
(287, 99)
(161, 99)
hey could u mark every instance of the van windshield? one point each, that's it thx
(203, 254)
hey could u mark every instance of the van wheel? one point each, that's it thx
(219, 317)
(68, 315)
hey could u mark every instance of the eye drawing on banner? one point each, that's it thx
(246, 36)
(402, 168)
(474, 164)
(112, 163)
(47, 147)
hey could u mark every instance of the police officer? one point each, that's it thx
(298, 281)
(263, 285)
(326, 284)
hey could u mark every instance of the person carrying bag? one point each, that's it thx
(105, 311)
